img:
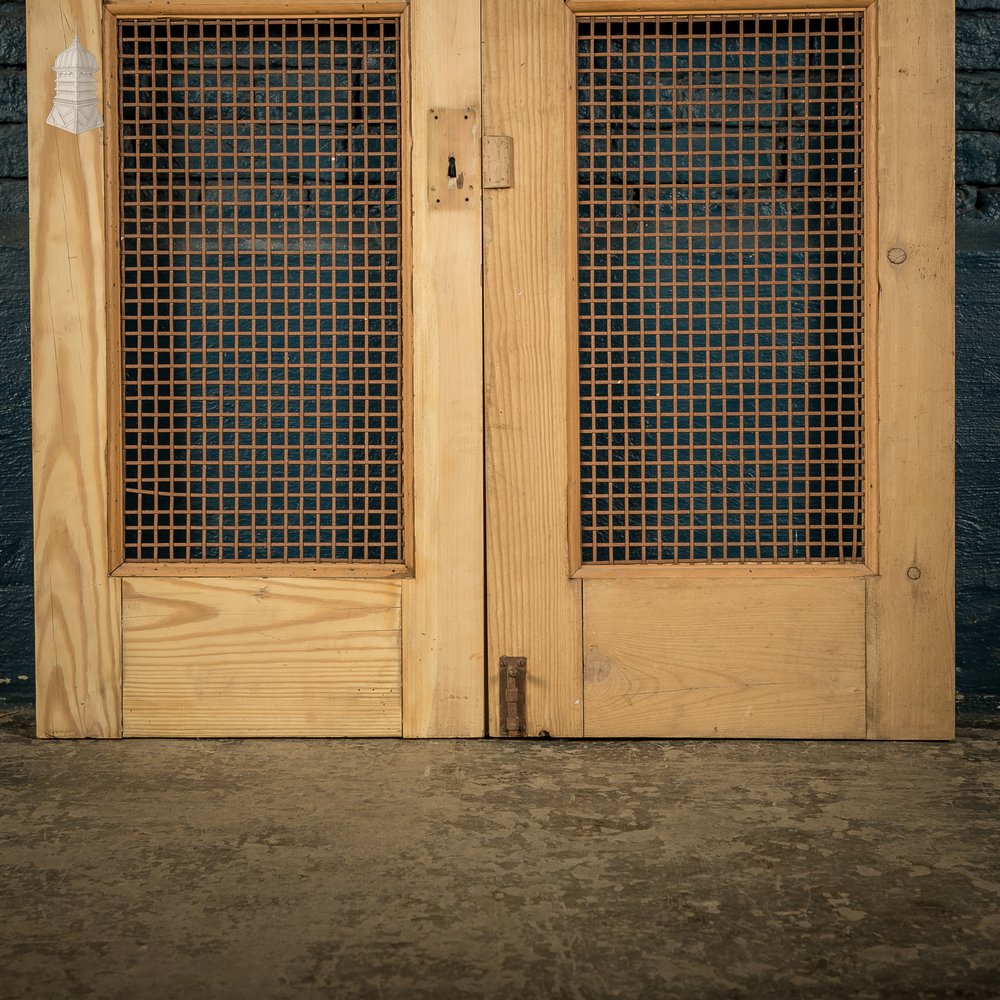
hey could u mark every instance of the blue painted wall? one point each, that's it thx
(978, 361)
(978, 355)
(16, 638)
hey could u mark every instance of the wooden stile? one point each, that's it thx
(534, 607)
(911, 602)
(77, 605)
(443, 604)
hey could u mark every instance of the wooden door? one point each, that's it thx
(719, 339)
(257, 335)
(718, 342)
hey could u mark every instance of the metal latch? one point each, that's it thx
(513, 680)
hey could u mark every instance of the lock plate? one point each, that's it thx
(453, 159)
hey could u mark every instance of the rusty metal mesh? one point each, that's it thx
(261, 289)
(720, 288)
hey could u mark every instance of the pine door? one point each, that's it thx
(257, 316)
(718, 368)
(324, 433)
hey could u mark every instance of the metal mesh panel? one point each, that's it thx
(260, 289)
(720, 288)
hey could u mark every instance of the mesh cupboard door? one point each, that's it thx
(244, 448)
(719, 389)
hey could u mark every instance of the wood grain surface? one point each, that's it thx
(77, 605)
(261, 658)
(534, 608)
(443, 604)
(759, 658)
(912, 632)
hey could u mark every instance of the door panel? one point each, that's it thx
(720, 397)
(719, 244)
(769, 659)
(720, 297)
(290, 440)
(263, 313)
(218, 657)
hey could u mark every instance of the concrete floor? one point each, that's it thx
(284, 868)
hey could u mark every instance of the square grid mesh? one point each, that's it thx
(719, 194)
(261, 289)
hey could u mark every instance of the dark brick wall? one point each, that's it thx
(977, 174)
(977, 107)
(978, 360)
(16, 642)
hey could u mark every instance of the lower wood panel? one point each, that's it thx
(244, 657)
(749, 658)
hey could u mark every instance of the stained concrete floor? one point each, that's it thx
(287, 868)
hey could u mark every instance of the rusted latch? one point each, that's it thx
(513, 680)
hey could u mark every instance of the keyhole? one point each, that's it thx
(452, 169)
